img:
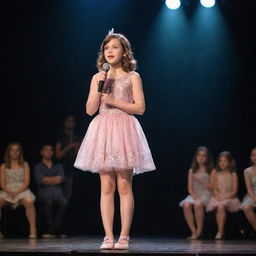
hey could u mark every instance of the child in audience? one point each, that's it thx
(15, 178)
(199, 189)
(225, 185)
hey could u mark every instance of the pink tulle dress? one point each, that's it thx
(224, 187)
(115, 140)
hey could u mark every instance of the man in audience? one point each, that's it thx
(49, 177)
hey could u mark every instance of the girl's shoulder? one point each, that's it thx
(233, 174)
(96, 75)
(248, 171)
(25, 164)
(2, 166)
(190, 171)
(134, 75)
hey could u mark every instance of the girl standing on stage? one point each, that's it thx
(199, 189)
(225, 185)
(115, 145)
(249, 202)
(15, 179)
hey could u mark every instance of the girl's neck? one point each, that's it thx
(14, 164)
(14, 161)
(224, 170)
(116, 70)
(201, 168)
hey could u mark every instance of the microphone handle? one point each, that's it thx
(101, 85)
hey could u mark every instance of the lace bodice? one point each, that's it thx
(198, 188)
(121, 89)
(14, 178)
(224, 183)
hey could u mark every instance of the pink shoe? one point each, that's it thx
(108, 243)
(123, 243)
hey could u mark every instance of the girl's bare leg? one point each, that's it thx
(188, 214)
(124, 185)
(108, 186)
(250, 215)
(199, 217)
(30, 214)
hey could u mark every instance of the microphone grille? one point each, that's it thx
(106, 66)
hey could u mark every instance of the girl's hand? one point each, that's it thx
(108, 99)
(101, 76)
(195, 197)
(12, 194)
(219, 198)
(254, 198)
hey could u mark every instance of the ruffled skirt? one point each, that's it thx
(232, 204)
(247, 200)
(189, 199)
(115, 142)
(15, 200)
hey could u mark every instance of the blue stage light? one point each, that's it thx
(172, 4)
(207, 3)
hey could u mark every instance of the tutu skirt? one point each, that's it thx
(189, 199)
(247, 200)
(232, 204)
(114, 142)
(14, 201)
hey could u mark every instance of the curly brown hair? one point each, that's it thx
(251, 153)
(209, 160)
(128, 61)
(232, 163)
(7, 158)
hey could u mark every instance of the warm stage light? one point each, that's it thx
(207, 3)
(172, 4)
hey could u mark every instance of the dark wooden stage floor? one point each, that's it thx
(79, 246)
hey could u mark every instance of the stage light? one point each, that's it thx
(207, 3)
(172, 4)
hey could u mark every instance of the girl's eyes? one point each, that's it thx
(115, 47)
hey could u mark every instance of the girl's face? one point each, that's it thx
(14, 152)
(113, 52)
(201, 157)
(223, 163)
(253, 156)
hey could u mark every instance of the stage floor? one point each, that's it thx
(139, 246)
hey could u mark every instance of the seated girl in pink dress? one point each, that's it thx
(115, 145)
(225, 185)
(15, 178)
(199, 189)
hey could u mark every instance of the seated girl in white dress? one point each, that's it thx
(15, 179)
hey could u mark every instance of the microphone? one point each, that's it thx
(106, 67)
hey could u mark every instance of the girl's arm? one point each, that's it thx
(93, 100)
(26, 179)
(138, 107)
(213, 178)
(248, 184)
(202, 182)
(4, 188)
(190, 184)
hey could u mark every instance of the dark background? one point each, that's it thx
(198, 71)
